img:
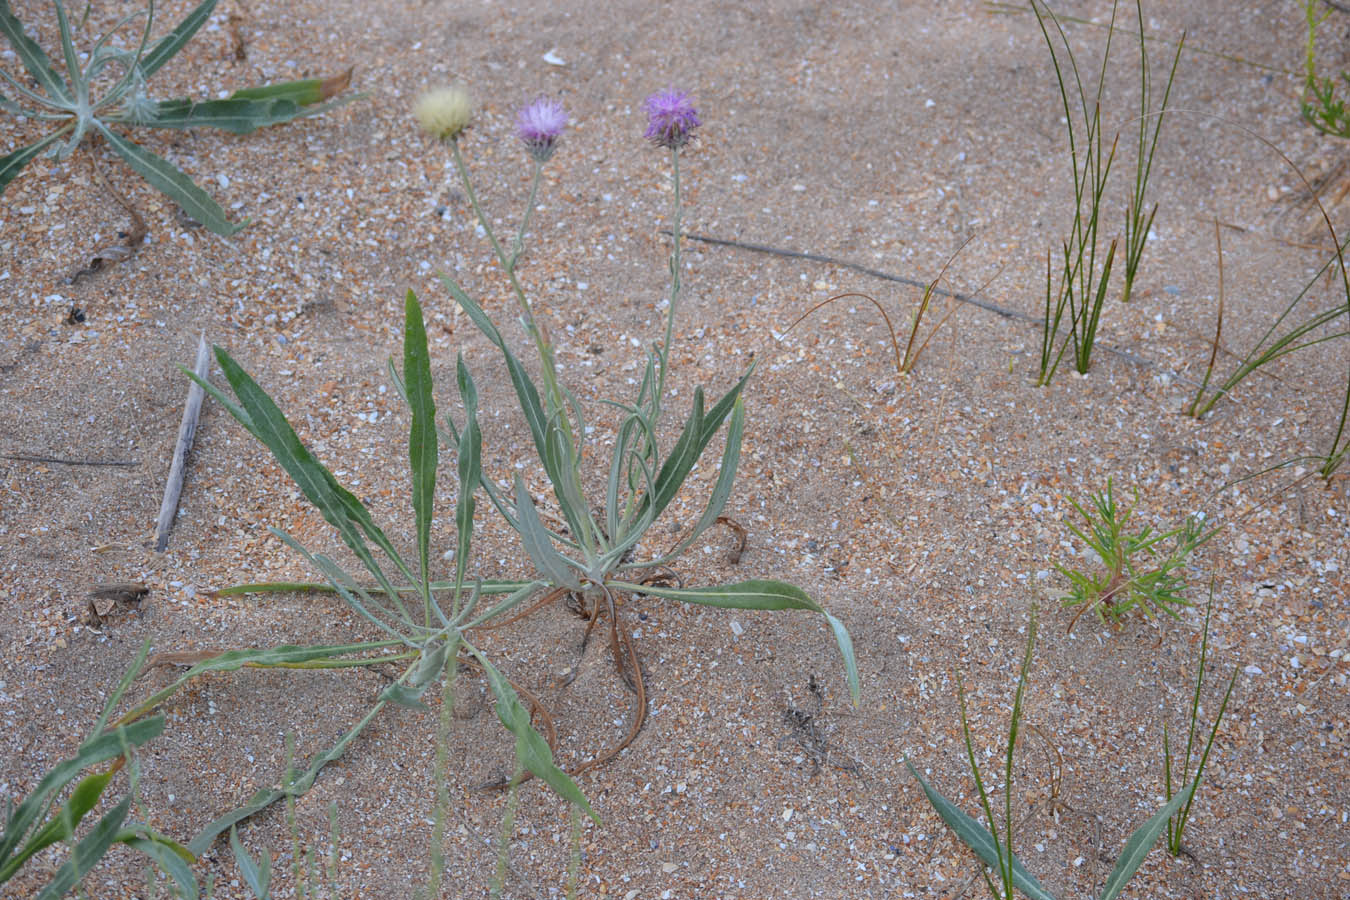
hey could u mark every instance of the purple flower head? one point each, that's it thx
(539, 125)
(671, 118)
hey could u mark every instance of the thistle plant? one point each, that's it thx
(71, 102)
(596, 558)
(993, 845)
(1136, 574)
(429, 626)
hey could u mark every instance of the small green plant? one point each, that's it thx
(1080, 292)
(33, 826)
(1176, 825)
(72, 104)
(1074, 301)
(994, 844)
(1322, 107)
(1137, 574)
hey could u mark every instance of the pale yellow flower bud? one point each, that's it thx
(445, 112)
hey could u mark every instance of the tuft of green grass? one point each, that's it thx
(1176, 825)
(76, 111)
(1137, 224)
(1076, 297)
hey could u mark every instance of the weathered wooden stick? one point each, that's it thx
(186, 431)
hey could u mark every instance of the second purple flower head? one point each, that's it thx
(539, 125)
(671, 118)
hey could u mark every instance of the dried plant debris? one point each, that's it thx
(106, 599)
(807, 731)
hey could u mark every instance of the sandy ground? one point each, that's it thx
(925, 511)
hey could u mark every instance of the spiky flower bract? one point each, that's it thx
(671, 118)
(539, 125)
(445, 112)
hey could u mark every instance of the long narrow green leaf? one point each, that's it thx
(534, 537)
(717, 501)
(338, 506)
(228, 114)
(87, 852)
(557, 468)
(470, 470)
(12, 164)
(68, 51)
(131, 674)
(764, 595)
(490, 586)
(61, 826)
(422, 442)
(258, 876)
(286, 655)
(166, 177)
(91, 752)
(1142, 841)
(977, 838)
(691, 443)
(305, 92)
(171, 43)
(531, 748)
(680, 462)
(171, 857)
(33, 57)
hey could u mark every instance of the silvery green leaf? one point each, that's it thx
(169, 856)
(977, 838)
(171, 43)
(87, 852)
(34, 59)
(12, 164)
(168, 178)
(423, 448)
(531, 748)
(1142, 841)
(534, 537)
(257, 875)
(759, 594)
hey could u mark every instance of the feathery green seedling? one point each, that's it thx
(993, 845)
(1137, 225)
(23, 836)
(1176, 825)
(71, 105)
(1322, 106)
(1137, 574)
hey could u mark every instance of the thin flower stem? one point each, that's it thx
(674, 288)
(519, 246)
(557, 402)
